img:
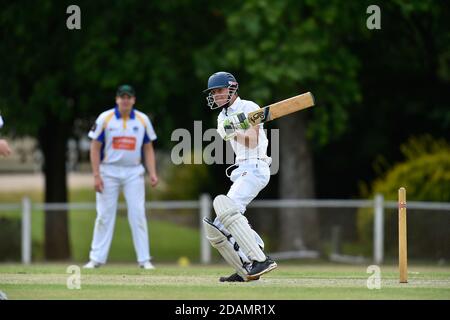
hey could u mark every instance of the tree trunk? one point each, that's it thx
(53, 140)
(298, 227)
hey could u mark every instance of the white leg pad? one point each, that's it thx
(226, 249)
(228, 213)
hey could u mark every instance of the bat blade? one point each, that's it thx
(281, 108)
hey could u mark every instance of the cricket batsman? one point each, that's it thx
(230, 232)
(5, 150)
(120, 137)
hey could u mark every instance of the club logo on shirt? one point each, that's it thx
(135, 129)
(124, 143)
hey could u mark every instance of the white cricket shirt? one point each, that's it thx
(122, 138)
(242, 152)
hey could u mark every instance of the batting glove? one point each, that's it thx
(239, 121)
(226, 130)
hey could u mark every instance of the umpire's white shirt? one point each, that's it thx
(242, 152)
(122, 138)
(121, 169)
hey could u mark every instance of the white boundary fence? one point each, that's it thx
(204, 206)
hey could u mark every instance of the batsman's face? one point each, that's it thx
(125, 102)
(220, 96)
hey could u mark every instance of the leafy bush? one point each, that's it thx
(425, 174)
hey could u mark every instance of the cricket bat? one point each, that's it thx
(281, 108)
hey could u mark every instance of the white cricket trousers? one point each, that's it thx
(132, 181)
(249, 178)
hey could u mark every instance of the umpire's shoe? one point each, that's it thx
(92, 265)
(234, 278)
(259, 268)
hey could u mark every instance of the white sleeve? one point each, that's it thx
(220, 118)
(97, 130)
(149, 131)
(220, 129)
(250, 107)
(1, 122)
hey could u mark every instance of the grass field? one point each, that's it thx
(185, 240)
(292, 282)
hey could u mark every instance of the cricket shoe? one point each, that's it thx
(92, 265)
(259, 268)
(147, 265)
(235, 278)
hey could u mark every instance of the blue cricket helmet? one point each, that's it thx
(218, 80)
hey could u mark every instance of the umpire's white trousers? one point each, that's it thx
(249, 178)
(132, 181)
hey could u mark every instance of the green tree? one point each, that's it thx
(55, 81)
(404, 80)
(284, 48)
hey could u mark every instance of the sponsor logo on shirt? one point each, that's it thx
(124, 143)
